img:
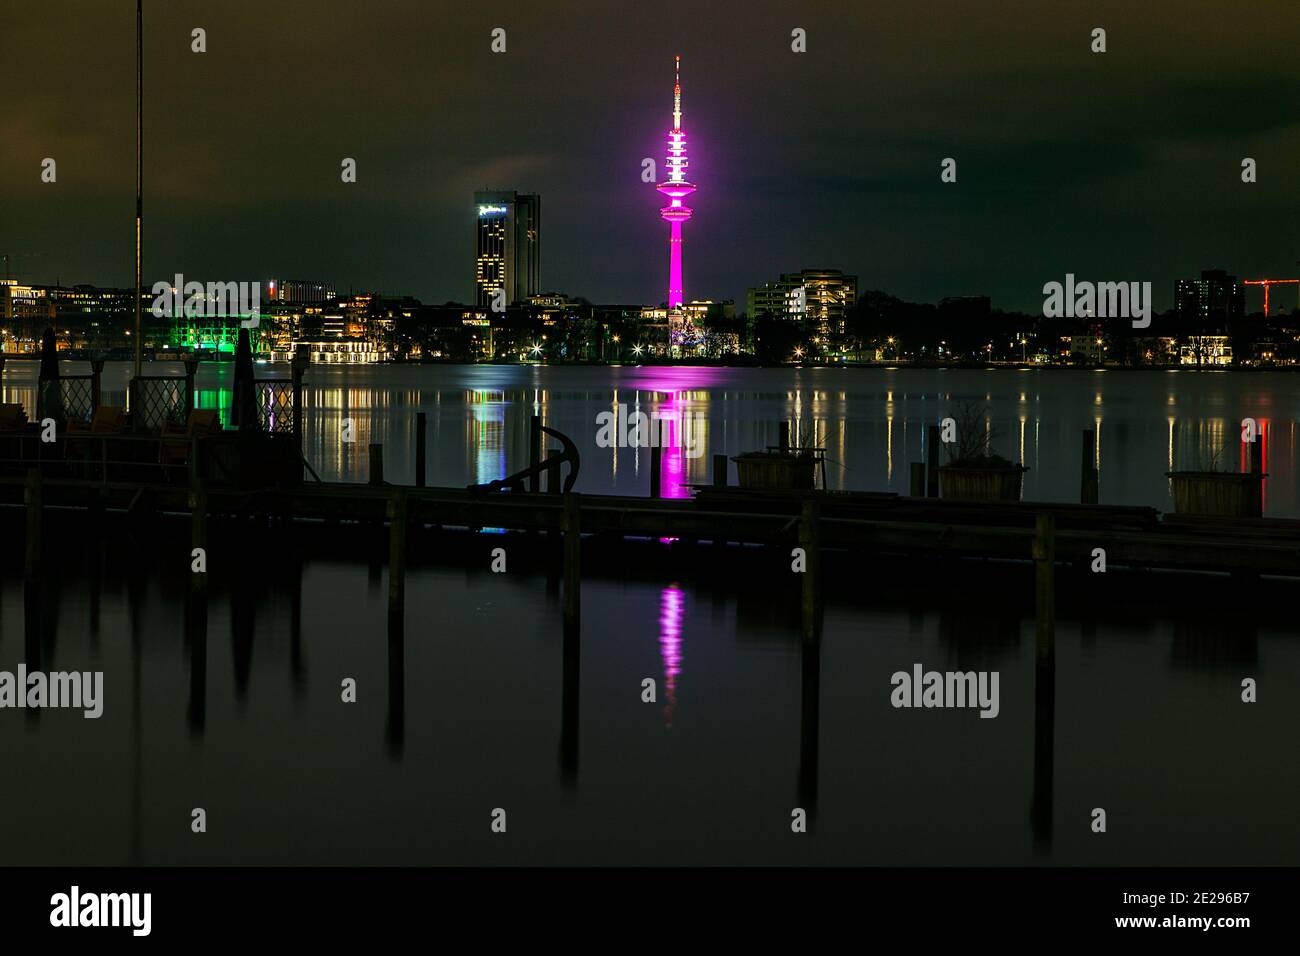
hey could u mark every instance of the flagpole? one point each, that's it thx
(139, 181)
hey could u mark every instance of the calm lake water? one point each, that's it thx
(244, 717)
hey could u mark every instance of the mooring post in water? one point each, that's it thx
(1044, 754)
(933, 460)
(198, 538)
(1045, 590)
(572, 524)
(572, 641)
(553, 459)
(96, 378)
(720, 465)
(719, 471)
(657, 462)
(376, 463)
(534, 452)
(783, 441)
(32, 499)
(421, 434)
(395, 725)
(1088, 480)
(1044, 553)
(191, 394)
(810, 655)
(1254, 451)
(301, 359)
(396, 557)
(917, 489)
(196, 623)
(810, 541)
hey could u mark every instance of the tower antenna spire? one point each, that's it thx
(677, 94)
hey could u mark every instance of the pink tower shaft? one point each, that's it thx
(675, 265)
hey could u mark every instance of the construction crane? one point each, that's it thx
(1267, 284)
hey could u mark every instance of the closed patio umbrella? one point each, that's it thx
(50, 394)
(245, 396)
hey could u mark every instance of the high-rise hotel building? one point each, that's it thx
(507, 246)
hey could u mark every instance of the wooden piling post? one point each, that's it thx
(810, 541)
(96, 377)
(571, 521)
(1044, 553)
(32, 499)
(395, 725)
(191, 396)
(720, 465)
(301, 359)
(933, 460)
(376, 463)
(198, 537)
(534, 452)
(397, 524)
(553, 472)
(657, 463)
(421, 434)
(196, 623)
(810, 654)
(918, 479)
(1044, 753)
(133, 407)
(784, 441)
(1088, 481)
(572, 560)
(719, 471)
(1255, 456)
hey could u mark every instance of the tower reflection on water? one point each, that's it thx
(671, 614)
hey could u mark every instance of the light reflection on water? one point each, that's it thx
(670, 646)
(871, 421)
(245, 717)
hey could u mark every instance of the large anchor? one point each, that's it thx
(516, 482)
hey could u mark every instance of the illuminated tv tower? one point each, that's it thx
(676, 188)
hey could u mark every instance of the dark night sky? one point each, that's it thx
(1122, 166)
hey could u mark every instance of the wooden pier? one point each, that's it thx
(881, 523)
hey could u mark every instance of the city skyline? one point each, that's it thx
(840, 167)
(355, 537)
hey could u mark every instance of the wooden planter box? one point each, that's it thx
(764, 471)
(958, 483)
(1217, 493)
